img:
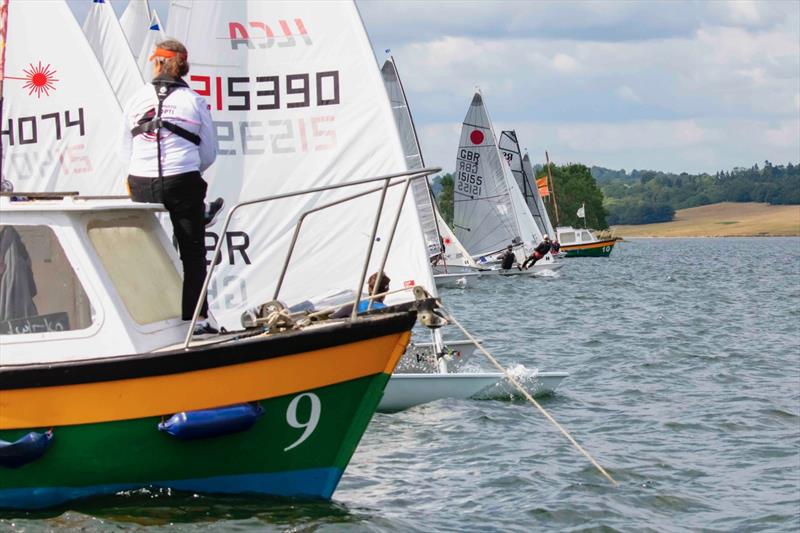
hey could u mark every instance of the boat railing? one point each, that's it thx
(389, 180)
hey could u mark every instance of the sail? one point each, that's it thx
(134, 21)
(509, 148)
(155, 34)
(483, 214)
(105, 36)
(298, 102)
(547, 226)
(61, 118)
(413, 154)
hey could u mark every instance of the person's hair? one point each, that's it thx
(384, 283)
(176, 66)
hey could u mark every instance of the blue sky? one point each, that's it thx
(677, 86)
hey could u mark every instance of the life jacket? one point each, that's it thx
(152, 121)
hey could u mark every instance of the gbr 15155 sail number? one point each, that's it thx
(468, 180)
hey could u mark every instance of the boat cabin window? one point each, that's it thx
(568, 237)
(138, 265)
(39, 291)
(586, 236)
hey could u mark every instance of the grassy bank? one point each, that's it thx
(723, 220)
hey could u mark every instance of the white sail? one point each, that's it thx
(454, 252)
(134, 21)
(155, 33)
(433, 225)
(298, 103)
(509, 148)
(537, 198)
(413, 154)
(483, 214)
(61, 118)
(105, 36)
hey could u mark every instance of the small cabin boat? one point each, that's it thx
(580, 242)
(100, 394)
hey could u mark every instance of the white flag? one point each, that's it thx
(582, 211)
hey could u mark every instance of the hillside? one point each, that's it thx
(726, 219)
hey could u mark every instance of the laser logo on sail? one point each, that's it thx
(255, 34)
(38, 79)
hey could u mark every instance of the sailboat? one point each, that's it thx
(489, 210)
(523, 176)
(107, 39)
(432, 223)
(101, 389)
(407, 389)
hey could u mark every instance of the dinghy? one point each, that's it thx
(489, 210)
(408, 389)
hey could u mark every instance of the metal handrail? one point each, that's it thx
(409, 175)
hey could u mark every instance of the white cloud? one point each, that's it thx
(628, 94)
(565, 63)
(670, 145)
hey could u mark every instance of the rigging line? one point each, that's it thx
(479, 199)
(476, 126)
(531, 399)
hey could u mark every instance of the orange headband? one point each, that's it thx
(160, 52)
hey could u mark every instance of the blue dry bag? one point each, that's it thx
(207, 423)
(25, 449)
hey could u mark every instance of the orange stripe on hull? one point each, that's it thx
(161, 395)
(598, 244)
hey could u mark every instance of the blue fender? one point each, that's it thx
(25, 449)
(207, 423)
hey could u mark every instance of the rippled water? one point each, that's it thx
(685, 384)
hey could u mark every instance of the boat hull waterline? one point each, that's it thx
(317, 404)
(591, 249)
(408, 390)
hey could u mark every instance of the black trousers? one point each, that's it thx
(183, 195)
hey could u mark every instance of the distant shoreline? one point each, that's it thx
(727, 219)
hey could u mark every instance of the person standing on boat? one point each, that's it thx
(508, 258)
(168, 139)
(538, 252)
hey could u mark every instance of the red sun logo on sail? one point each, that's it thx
(38, 79)
(476, 137)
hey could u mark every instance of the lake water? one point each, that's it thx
(684, 357)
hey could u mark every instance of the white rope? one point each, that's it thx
(531, 399)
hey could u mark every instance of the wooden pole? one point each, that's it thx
(552, 189)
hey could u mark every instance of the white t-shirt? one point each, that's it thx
(184, 108)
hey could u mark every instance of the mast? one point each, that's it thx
(3, 33)
(552, 189)
(419, 151)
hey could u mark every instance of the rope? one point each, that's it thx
(530, 398)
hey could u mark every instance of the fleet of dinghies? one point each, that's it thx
(101, 388)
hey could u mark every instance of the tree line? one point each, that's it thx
(647, 196)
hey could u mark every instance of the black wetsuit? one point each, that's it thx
(538, 252)
(508, 260)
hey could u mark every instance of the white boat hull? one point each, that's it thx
(407, 390)
(458, 281)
